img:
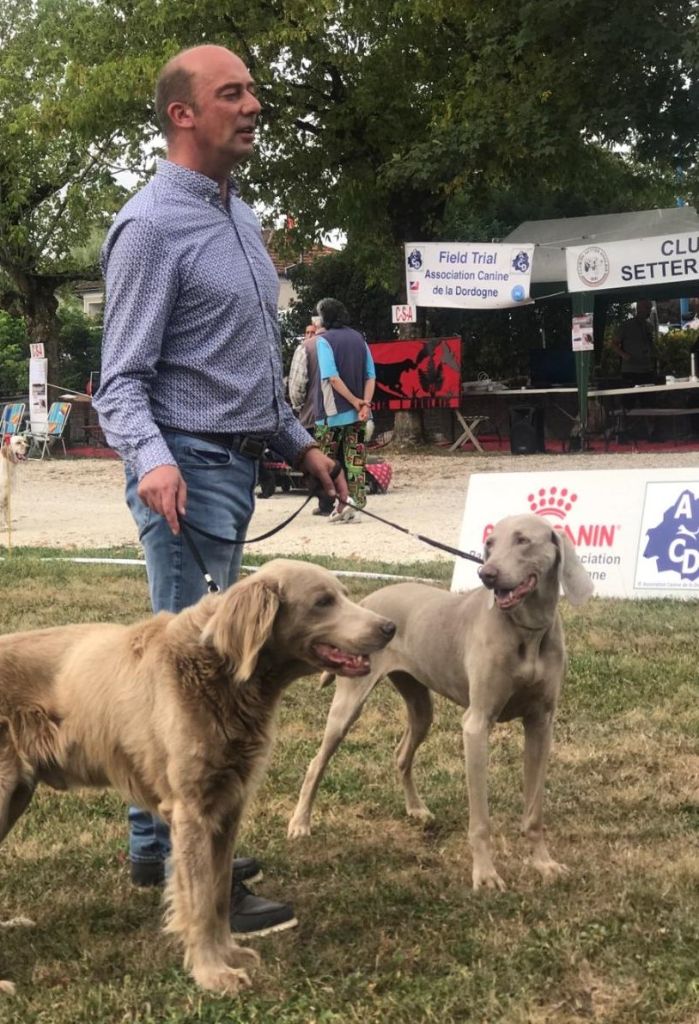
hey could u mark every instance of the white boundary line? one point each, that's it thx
(244, 568)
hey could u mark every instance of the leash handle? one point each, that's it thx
(211, 584)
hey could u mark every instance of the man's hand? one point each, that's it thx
(317, 465)
(164, 491)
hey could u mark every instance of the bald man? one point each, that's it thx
(192, 385)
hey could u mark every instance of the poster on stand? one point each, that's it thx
(583, 338)
(38, 395)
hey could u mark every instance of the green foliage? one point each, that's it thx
(674, 352)
(14, 355)
(73, 90)
(343, 276)
(391, 121)
(80, 344)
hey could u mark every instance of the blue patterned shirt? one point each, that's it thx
(191, 338)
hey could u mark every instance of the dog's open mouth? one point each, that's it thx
(507, 599)
(341, 662)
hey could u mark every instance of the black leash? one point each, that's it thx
(189, 528)
(420, 536)
(314, 491)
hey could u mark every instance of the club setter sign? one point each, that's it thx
(424, 373)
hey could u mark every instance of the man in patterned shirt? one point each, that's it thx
(192, 388)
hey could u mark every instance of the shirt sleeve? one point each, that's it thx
(369, 368)
(298, 378)
(291, 439)
(327, 366)
(141, 280)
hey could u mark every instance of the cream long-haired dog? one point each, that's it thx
(13, 452)
(177, 713)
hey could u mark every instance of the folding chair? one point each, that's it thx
(42, 438)
(11, 419)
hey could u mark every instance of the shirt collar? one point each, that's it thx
(198, 184)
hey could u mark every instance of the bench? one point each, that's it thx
(651, 412)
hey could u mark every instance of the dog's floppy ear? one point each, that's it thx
(242, 623)
(577, 585)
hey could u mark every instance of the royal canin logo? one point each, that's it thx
(555, 503)
(551, 502)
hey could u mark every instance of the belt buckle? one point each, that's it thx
(253, 447)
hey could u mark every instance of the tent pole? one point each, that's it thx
(583, 302)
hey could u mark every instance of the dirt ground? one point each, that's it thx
(76, 503)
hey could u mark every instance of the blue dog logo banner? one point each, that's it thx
(669, 550)
(468, 275)
(636, 531)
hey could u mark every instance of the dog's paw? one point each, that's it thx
(228, 980)
(298, 829)
(550, 870)
(423, 814)
(241, 956)
(486, 877)
(7, 988)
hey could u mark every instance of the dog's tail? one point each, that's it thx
(327, 678)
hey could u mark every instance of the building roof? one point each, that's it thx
(282, 255)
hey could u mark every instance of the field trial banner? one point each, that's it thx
(636, 531)
(424, 373)
(662, 259)
(467, 275)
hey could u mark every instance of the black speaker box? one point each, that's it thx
(527, 430)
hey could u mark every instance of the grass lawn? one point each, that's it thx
(390, 930)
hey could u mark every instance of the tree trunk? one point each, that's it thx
(37, 296)
(408, 428)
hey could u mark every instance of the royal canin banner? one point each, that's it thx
(636, 531)
(423, 373)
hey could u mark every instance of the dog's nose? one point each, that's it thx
(388, 629)
(488, 575)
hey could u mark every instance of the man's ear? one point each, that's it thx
(242, 624)
(577, 585)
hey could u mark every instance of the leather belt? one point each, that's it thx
(249, 445)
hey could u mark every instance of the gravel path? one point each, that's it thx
(80, 503)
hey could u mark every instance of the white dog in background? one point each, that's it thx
(10, 454)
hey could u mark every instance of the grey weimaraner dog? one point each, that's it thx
(497, 652)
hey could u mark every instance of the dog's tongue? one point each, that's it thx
(343, 663)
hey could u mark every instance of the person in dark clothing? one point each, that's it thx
(635, 343)
(344, 391)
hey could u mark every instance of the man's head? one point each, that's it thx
(207, 108)
(332, 313)
(643, 308)
(309, 331)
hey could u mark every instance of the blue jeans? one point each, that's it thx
(220, 500)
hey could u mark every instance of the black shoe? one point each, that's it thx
(254, 915)
(246, 869)
(321, 512)
(152, 873)
(147, 873)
